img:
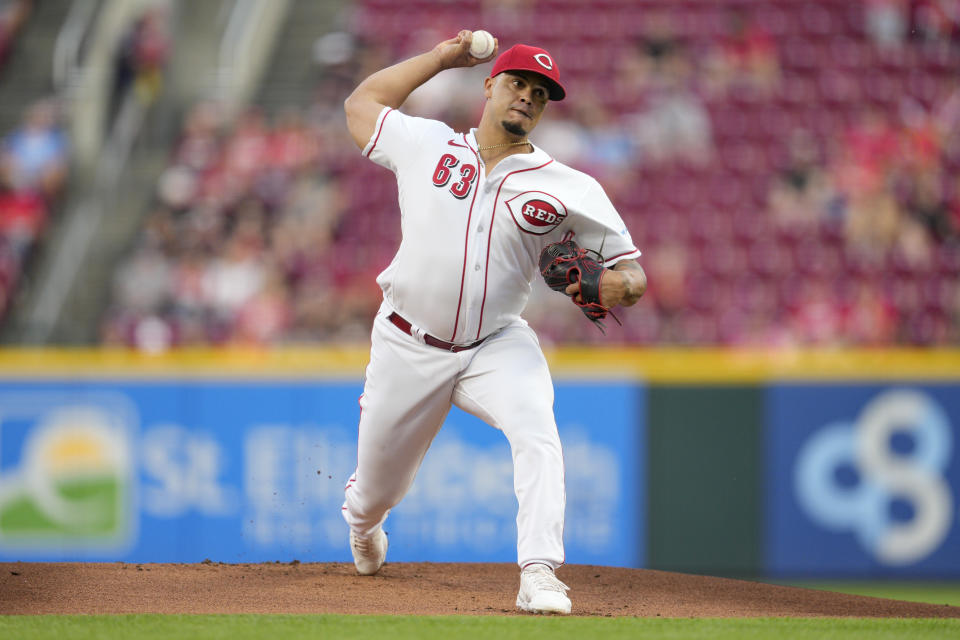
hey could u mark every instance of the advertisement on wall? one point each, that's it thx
(863, 480)
(159, 471)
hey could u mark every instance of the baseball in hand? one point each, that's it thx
(482, 45)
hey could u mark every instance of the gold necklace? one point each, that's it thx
(505, 144)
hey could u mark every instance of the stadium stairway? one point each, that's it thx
(27, 75)
(189, 73)
(291, 77)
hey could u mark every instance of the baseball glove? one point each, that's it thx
(563, 263)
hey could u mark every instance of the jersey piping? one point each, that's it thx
(621, 255)
(466, 242)
(493, 217)
(379, 131)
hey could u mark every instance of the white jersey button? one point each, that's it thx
(476, 267)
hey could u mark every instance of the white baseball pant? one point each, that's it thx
(409, 389)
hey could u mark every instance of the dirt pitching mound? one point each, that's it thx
(409, 588)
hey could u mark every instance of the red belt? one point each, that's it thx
(406, 327)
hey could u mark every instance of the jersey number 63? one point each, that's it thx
(441, 176)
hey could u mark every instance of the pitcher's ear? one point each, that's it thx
(488, 87)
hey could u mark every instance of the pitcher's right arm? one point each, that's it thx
(390, 87)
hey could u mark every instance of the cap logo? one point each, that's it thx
(544, 61)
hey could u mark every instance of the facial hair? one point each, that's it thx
(514, 128)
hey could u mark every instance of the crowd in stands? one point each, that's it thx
(34, 156)
(240, 246)
(789, 169)
(32, 159)
(33, 168)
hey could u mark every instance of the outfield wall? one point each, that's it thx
(740, 463)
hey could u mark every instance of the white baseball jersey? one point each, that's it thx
(471, 241)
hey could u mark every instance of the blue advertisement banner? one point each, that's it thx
(863, 480)
(182, 471)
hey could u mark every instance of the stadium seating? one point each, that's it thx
(749, 279)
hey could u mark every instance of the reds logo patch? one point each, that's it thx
(536, 212)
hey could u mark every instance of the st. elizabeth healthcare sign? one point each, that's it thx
(249, 471)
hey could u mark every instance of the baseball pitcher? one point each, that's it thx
(481, 214)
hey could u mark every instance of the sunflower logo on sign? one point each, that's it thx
(72, 484)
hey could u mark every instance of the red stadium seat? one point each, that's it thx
(947, 261)
(819, 19)
(772, 19)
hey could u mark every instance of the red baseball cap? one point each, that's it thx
(522, 57)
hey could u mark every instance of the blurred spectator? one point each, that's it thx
(266, 315)
(817, 318)
(886, 22)
(913, 245)
(562, 136)
(658, 43)
(247, 146)
(178, 187)
(143, 284)
(872, 219)
(928, 205)
(921, 143)
(802, 192)
(333, 50)
(862, 172)
(33, 168)
(871, 143)
(936, 21)
(668, 267)
(141, 56)
(604, 151)
(649, 58)
(291, 147)
(674, 124)
(336, 56)
(34, 157)
(23, 217)
(236, 275)
(13, 13)
(199, 146)
(946, 120)
(746, 55)
(869, 319)
(189, 300)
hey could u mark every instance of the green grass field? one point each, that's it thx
(148, 627)
(299, 627)
(932, 592)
